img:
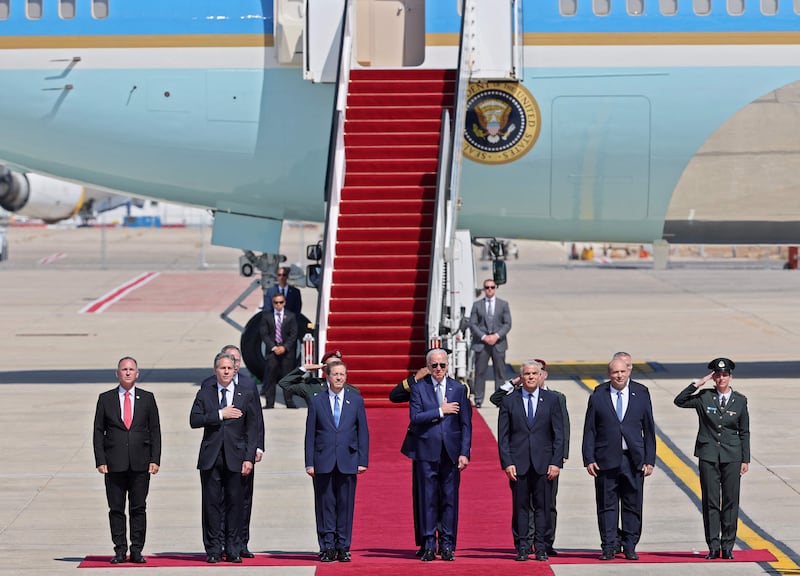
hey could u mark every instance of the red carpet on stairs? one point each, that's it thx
(383, 532)
(383, 248)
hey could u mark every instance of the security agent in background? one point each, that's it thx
(723, 449)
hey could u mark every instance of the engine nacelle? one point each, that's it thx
(37, 196)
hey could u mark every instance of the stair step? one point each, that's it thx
(382, 349)
(408, 74)
(393, 194)
(376, 151)
(382, 249)
(392, 165)
(369, 278)
(392, 139)
(375, 333)
(410, 234)
(405, 113)
(365, 301)
(379, 263)
(394, 179)
(372, 126)
(441, 100)
(385, 220)
(376, 319)
(371, 292)
(396, 207)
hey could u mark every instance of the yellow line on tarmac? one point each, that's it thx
(783, 564)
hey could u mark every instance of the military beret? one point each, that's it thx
(542, 362)
(722, 365)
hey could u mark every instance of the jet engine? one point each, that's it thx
(37, 196)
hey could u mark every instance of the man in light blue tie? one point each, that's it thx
(619, 451)
(336, 451)
(530, 439)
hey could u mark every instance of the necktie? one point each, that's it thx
(440, 393)
(722, 402)
(490, 307)
(530, 410)
(127, 411)
(224, 400)
(278, 325)
(619, 406)
(337, 411)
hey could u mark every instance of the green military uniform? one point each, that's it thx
(722, 445)
(302, 383)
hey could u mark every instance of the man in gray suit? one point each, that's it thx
(490, 323)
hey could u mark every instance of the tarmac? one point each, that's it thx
(56, 361)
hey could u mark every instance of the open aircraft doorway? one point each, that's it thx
(390, 33)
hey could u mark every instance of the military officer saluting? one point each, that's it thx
(723, 447)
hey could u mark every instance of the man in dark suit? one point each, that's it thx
(531, 445)
(441, 416)
(723, 450)
(279, 333)
(619, 451)
(337, 450)
(489, 323)
(228, 415)
(292, 295)
(243, 380)
(127, 450)
(497, 400)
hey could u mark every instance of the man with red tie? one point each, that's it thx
(127, 450)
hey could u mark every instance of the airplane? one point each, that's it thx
(638, 121)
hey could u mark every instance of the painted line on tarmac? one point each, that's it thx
(117, 294)
(683, 471)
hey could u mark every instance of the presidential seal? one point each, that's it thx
(502, 122)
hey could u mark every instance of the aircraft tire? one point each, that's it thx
(253, 347)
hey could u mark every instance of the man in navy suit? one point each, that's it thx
(127, 450)
(279, 333)
(441, 416)
(337, 450)
(228, 415)
(243, 380)
(530, 439)
(489, 323)
(619, 451)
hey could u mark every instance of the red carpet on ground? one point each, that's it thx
(383, 531)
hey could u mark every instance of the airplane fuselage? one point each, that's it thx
(188, 101)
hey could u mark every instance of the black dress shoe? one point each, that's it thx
(541, 556)
(343, 555)
(118, 559)
(328, 555)
(137, 558)
(448, 554)
(235, 558)
(727, 554)
(212, 559)
(245, 553)
(712, 555)
(419, 552)
(607, 555)
(428, 555)
(631, 555)
(551, 551)
(522, 554)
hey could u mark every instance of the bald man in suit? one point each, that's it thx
(127, 451)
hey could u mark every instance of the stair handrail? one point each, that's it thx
(437, 279)
(442, 295)
(334, 179)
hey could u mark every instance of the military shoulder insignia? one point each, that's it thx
(502, 122)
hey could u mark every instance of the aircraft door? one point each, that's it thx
(288, 33)
(390, 33)
(323, 30)
(497, 28)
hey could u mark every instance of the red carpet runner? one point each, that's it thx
(383, 534)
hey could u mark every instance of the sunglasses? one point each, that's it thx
(439, 365)
(279, 301)
(490, 287)
(281, 274)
